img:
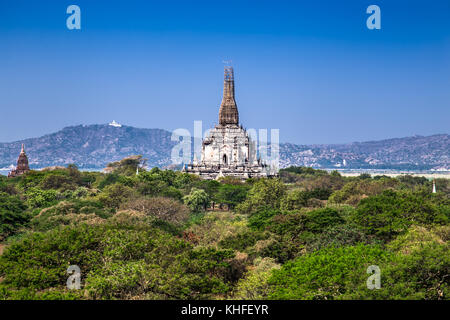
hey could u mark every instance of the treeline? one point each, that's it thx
(163, 234)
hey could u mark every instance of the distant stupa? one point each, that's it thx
(115, 124)
(22, 164)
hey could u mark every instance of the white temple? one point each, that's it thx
(228, 149)
(115, 124)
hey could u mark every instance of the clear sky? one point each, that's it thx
(309, 68)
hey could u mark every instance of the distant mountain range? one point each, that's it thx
(410, 153)
(94, 146)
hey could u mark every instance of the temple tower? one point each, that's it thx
(22, 164)
(228, 112)
(228, 150)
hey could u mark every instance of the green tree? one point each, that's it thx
(153, 187)
(391, 213)
(231, 195)
(295, 199)
(75, 211)
(8, 188)
(38, 198)
(109, 179)
(12, 214)
(58, 182)
(262, 218)
(116, 262)
(127, 166)
(254, 285)
(210, 186)
(264, 193)
(327, 274)
(197, 200)
(114, 195)
(321, 219)
(418, 274)
(358, 188)
(165, 209)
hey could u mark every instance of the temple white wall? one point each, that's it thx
(231, 142)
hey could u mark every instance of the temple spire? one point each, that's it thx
(228, 112)
(22, 164)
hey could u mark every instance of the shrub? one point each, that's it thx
(115, 262)
(127, 166)
(197, 200)
(232, 194)
(264, 193)
(172, 192)
(358, 189)
(295, 200)
(338, 236)
(70, 212)
(80, 192)
(243, 240)
(114, 195)
(8, 188)
(262, 218)
(391, 213)
(152, 187)
(12, 214)
(165, 209)
(215, 226)
(58, 182)
(321, 219)
(112, 178)
(38, 198)
(417, 236)
(420, 274)
(254, 286)
(325, 274)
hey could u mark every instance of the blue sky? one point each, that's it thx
(309, 68)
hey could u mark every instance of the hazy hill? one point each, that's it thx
(91, 146)
(94, 146)
(417, 152)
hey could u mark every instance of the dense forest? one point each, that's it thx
(164, 234)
